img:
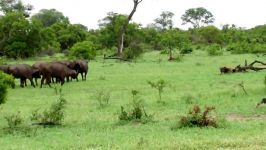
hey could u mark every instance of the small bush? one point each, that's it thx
(214, 50)
(165, 51)
(5, 81)
(16, 125)
(85, 50)
(133, 51)
(186, 50)
(14, 121)
(103, 98)
(136, 112)
(197, 118)
(53, 116)
(239, 47)
(159, 85)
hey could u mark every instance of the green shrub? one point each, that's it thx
(14, 121)
(258, 48)
(85, 50)
(186, 50)
(136, 112)
(245, 47)
(197, 118)
(164, 51)
(5, 81)
(133, 51)
(265, 82)
(16, 124)
(239, 47)
(159, 85)
(53, 116)
(214, 50)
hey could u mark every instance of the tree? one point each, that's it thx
(68, 34)
(49, 17)
(197, 17)
(124, 28)
(8, 6)
(210, 35)
(110, 28)
(19, 38)
(172, 39)
(165, 20)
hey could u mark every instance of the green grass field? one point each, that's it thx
(87, 126)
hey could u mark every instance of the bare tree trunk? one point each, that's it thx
(124, 28)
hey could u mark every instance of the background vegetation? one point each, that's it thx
(133, 104)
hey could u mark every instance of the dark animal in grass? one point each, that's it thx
(23, 72)
(226, 70)
(73, 65)
(40, 66)
(83, 64)
(263, 101)
(4, 68)
(57, 70)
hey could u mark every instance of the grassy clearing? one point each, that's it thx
(195, 80)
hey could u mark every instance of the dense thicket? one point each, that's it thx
(49, 31)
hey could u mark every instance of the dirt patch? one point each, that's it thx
(238, 117)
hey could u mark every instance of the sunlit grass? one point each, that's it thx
(86, 126)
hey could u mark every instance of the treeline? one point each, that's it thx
(49, 32)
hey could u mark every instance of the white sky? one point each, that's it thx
(243, 13)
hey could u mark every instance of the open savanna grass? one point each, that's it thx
(195, 80)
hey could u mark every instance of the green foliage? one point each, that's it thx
(238, 48)
(103, 98)
(214, 50)
(19, 37)
(136, 112)
(133, 51)
(197, 17)
(197, 118)
(210, 35)
(14, 122)
(9, 6)
(186, 50)
(165, 20)
(85, 50)
(265, 82)
(110, 28)
(159, 85)
(53, 116)
(49, 17)
(5, 81)
(68, 34)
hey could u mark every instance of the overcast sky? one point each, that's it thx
(243, 13)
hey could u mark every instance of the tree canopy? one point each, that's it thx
(49, 17)
(197, 17)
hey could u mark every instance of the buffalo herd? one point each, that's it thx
(47, 71)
